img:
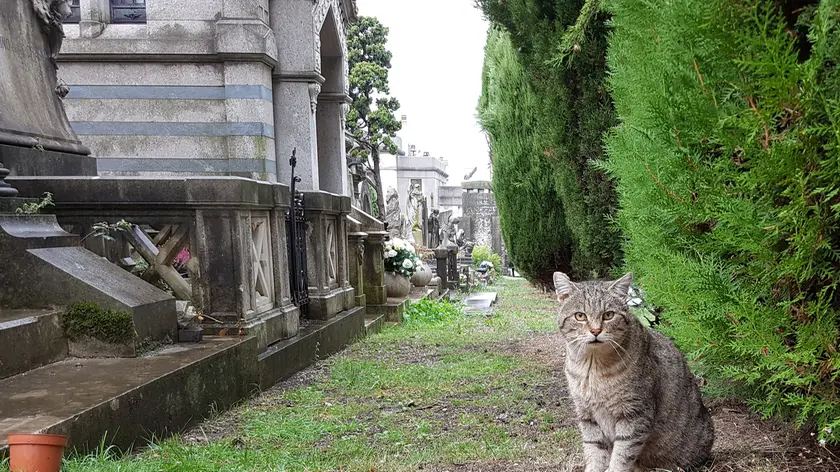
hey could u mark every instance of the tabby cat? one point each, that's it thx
(638, 405)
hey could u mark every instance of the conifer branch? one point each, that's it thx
(670, 192)
(765, 143)
(575, 34)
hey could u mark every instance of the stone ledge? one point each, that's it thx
(30, 339)
(393, 309)
(139, 192)
(130, 399)
(374, 324)
(317, 340)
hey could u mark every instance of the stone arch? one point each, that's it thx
(331, 97)
(321, 14)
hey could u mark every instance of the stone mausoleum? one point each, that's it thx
(181, 121)
(211, 87)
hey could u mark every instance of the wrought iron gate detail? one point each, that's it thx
(296, 232)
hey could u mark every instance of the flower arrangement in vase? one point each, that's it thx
(400, 257)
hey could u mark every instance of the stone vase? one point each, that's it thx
(423, 276)
(396, 285)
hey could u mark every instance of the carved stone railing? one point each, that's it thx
(330, 291)
(368, 235)
(233, 230)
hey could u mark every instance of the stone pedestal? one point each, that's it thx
(374, 268)
(356, 262)
(442, 268)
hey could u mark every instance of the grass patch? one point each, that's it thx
(444, 388)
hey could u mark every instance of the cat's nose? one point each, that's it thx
(595, 331)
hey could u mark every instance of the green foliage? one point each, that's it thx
(729, 183)
(37, 207)
(484, 253)
(371, 119)
(88, 319)
(426, 312)
(531, 216)
(103, 229)
(563, 109)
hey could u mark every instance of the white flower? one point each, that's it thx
(391, 253)
(408, 264)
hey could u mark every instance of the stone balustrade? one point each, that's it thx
(233, 229)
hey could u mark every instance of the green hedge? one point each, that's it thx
(531, 218)
(568, 113)
(729, 182)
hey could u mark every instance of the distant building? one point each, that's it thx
(412, 167)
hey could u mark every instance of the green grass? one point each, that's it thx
(433, 392)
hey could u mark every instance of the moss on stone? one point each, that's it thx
(88, 319)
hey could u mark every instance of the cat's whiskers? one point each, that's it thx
(613, 344)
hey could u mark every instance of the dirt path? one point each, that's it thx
(465, 394)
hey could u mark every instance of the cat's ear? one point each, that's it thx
(621, 287)
(563, 286)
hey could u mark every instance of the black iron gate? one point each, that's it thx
(296, 237)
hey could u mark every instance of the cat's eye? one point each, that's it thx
(580, 316)
(608, 315)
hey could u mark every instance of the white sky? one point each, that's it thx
(438, 49)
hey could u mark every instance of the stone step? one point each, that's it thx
(373, 324)
(30, 339)
(317, 339)
(393, 309)
(129, 399)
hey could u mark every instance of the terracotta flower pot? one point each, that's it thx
(397, 286)
(36, 452)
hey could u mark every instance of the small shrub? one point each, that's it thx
(427, 312)
(484, 253)
(88, 319)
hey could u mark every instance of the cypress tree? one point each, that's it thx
(729, 182)
(569, 116)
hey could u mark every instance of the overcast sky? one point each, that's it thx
(438, 48)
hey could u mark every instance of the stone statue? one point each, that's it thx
(433, 229)
(443, 231)
(451, 231)
(52, 14)
(392, 213)
(33, 118)
(413, 205)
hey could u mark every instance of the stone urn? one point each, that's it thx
(396, 285)
(423, 276)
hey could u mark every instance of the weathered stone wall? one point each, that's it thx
(207, 87)
(164, 97)
(482, 215)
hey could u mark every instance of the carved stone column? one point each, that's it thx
(374, 268)
(356, 260)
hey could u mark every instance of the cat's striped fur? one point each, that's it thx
(638, 405)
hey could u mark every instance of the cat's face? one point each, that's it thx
(594, 315)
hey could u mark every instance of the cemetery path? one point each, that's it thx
(442, 393)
